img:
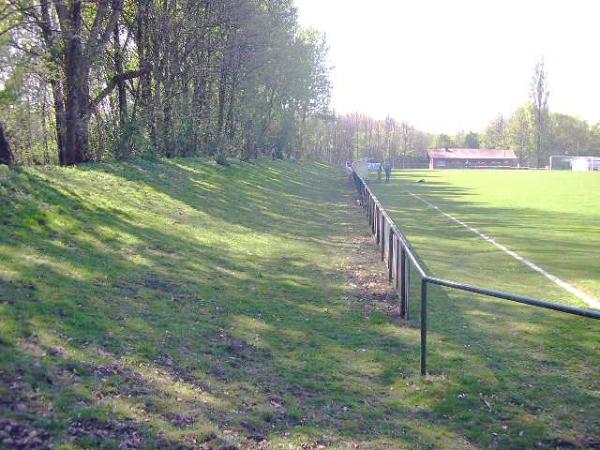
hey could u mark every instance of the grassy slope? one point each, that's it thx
(176, 304)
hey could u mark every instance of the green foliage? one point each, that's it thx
(564, 135)
(496, 134)
(442, 141)
(568, 134)
(471, 140)
(220, 74)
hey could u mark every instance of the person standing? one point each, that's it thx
(349, 170)
(388, 171)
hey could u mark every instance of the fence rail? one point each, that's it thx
(400, 259)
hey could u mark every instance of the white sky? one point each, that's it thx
(450, 65)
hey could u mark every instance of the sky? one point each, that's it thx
(446, 66)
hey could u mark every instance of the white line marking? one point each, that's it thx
(590, 301)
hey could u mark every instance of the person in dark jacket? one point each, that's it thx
(388, 171)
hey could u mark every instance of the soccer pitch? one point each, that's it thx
(529, 232)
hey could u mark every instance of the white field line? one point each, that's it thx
(587, 299)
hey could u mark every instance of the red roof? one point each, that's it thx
(471, 153)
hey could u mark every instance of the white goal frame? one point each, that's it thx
(575, 163)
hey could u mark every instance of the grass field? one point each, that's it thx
(176, 304)
(550, 218)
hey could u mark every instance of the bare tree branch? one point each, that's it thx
(113, 84)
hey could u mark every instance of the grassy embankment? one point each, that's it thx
(176, 304)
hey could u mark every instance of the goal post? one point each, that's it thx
(560, 162)
(575, 163)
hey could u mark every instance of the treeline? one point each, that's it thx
(116, 79)
(338, 138)
(532, 131)
(562, 134)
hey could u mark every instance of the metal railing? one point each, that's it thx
(399, 257)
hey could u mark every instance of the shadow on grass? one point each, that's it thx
(123, 330)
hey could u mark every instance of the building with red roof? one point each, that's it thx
(471, 158)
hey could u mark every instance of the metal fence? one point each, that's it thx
(401, 260)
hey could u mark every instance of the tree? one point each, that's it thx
(471, 140)
(75, 34)
(442, 141)
(125, 78)
(390, 126)
(406, 135)
(594, 140)
(520, 132)
(6, 156)
(539, 97)
(567, 134)
(496, 134)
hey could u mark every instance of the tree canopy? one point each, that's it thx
(123, 78)
(119, 79)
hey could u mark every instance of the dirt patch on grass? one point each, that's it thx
(367, 275)
(126, 432)
(16, 435)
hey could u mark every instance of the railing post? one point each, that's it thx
(391, 255)
(382, 237)
(371, 224)
(407, 285)
(377, 225)
(403, 282)
(374, 224)
(424, 327)
(399, 256)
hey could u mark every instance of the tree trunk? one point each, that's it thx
(231, 125)
(216, 149)
(198, 108)
(76, 145)
(222, 98)
(121, 83)
(6, 155)
(59, 113)
(539, 141)
(143, 25)
(125, 134)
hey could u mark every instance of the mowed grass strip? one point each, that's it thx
(176, 304)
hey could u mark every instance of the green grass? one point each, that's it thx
(525, 356)
(176, 304)
(550, 218)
